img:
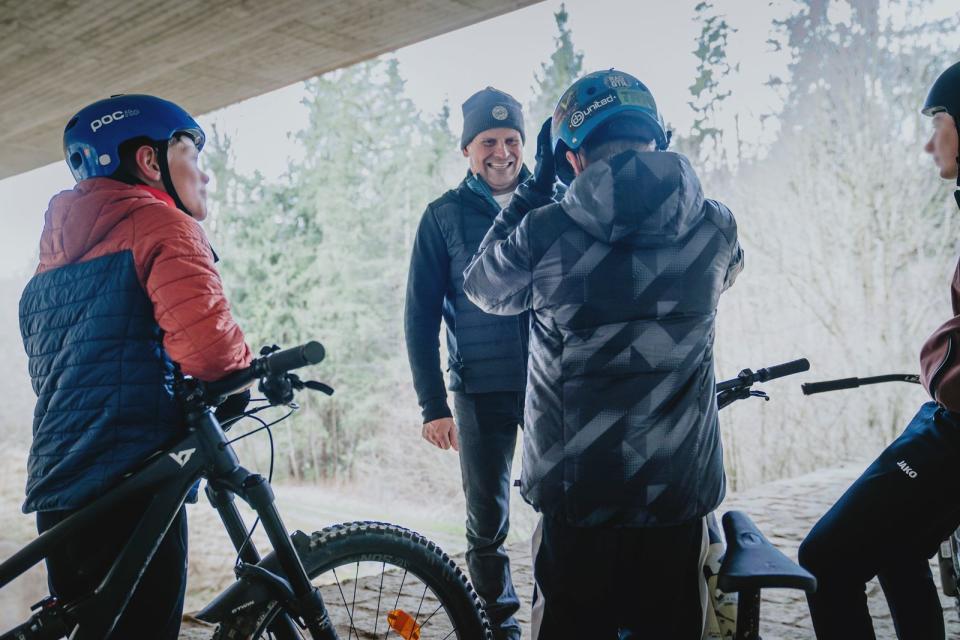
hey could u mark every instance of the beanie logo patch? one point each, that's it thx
(500, 112)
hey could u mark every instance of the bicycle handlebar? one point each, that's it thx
(272, 364)
(746, 377)
(809, 388)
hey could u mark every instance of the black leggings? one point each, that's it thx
(888, 524)
(78, 566)
(604, 584)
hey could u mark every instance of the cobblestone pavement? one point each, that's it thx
(784, 511)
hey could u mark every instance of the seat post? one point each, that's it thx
(748, 614)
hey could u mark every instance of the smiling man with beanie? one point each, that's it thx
(487, 354)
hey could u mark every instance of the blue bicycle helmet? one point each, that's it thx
(92, 138)
(595, 99)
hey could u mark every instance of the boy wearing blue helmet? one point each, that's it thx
(621, 447)
(125, 294)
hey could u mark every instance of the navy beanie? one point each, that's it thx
(490, 109)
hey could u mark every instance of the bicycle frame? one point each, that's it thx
(169, 476)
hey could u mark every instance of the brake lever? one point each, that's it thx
(318, 386)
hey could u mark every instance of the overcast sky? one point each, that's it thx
(651, 39)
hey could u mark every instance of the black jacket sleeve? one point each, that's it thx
(427, 283)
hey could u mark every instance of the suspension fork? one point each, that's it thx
(225, 476)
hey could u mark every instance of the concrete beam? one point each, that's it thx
(58, 55)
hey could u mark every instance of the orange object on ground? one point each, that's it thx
(404, 624)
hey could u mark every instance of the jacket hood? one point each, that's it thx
(78, 219)
(641, 198)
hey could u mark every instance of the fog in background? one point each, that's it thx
(801, 116)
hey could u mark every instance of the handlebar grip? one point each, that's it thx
(305, 354)
(785, 369)
(809, 388)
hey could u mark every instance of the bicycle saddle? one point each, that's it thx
(752, 563)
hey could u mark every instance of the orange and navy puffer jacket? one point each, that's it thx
(126, 287)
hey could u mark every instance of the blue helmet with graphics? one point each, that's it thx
(92, 138)
(598, 98)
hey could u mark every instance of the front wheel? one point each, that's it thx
(378, 579)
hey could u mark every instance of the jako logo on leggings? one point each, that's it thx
(906, 469)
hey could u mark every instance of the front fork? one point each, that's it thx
(293, 588)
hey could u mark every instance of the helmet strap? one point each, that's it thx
(167, 180)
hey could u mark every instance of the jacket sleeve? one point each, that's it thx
(939, 372)
(728, 227)
(177, 270)
(427, 283)
(499, 278)
(735, 266)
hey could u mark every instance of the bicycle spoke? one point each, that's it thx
(397, 603)
(452, 631)
(430, 617)
(420, 606)
(376, 621)
(353, 606)
(352, 629)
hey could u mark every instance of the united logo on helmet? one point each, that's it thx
(597, 98)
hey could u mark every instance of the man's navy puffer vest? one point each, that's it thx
(486, 352)
(103, 381)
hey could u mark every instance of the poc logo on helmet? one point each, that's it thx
(110, 118)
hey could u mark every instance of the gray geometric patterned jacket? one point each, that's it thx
(623, 277)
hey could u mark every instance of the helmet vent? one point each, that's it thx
(76, 159)
(73, 122)
(591, 91)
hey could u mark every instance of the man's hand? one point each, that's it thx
(545, 171)
(441, 432)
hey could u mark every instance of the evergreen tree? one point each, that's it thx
(322, 253)
(563, 68)
(849, 232)
(706, 138)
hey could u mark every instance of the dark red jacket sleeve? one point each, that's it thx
(175, 264)
(940, 356)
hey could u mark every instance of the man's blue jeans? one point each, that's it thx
(487, 430)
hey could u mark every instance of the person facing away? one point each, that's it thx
(621, 447)
(126, 292)
(893, 517)
(486, 354)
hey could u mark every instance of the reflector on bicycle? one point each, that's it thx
(404, 624)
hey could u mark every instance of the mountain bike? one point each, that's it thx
(948, 555)
(751, 563)
(367, 579)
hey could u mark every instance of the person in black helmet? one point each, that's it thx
(894, 516)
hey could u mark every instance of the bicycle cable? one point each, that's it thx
(264, 426)
(250, 414)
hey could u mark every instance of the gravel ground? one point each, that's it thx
(784, 510)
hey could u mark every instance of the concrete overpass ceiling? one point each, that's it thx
(58, 55)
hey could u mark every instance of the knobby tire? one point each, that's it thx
(338, 548)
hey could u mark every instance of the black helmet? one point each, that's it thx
(945, 94)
